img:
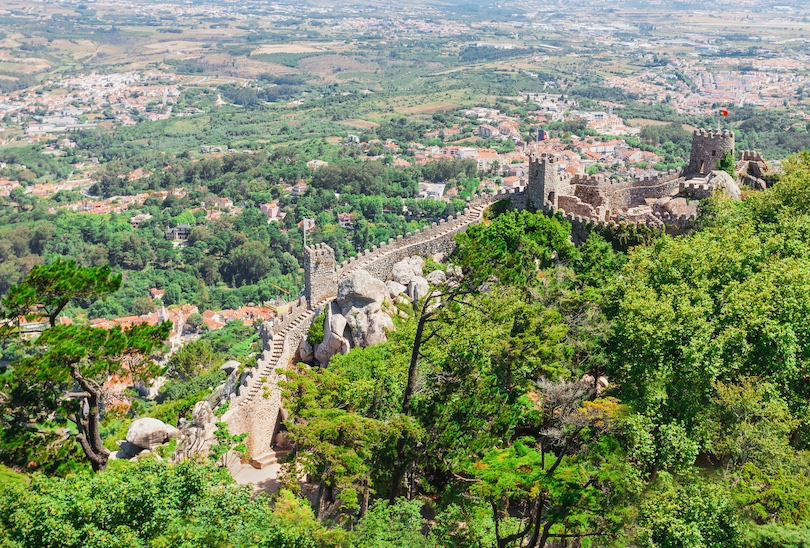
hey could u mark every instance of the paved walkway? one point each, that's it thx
(264, 480)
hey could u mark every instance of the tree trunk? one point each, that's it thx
(89, 436)
(399, 463)
(364, 503)
(544, 538)
(412, 367)
(537, 521)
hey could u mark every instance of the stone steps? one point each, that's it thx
(267, 458)
(269, 367)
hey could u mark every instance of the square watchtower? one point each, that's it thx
(320, 273)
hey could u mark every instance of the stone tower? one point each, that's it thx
(708, 148)
(320, 274)
(545, 185)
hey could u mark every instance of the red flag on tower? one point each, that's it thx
(723, 112)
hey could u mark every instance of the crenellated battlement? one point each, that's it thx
(712, 134)
(751, 156)
(321, 251)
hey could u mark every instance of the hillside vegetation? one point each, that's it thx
(655, 397)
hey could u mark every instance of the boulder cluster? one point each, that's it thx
(361, 313)
(194, 437)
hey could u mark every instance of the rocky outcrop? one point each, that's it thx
(305, 351)
(417, 264)
(356, 317)
(143, 436)
(361, 298)
(333, 341)
(197, 435)
(724, 182)
(360, 289)
(418, 288)
(395, 289)
(436, 277)
(230, 366)
(148, 433)
(402, 273)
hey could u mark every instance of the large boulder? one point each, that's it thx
(126, 450)
(418, 288)
(333, 340)
(417, 264)
(402, 272)
(724, 181)
(359, 289)
(436, 277)
(360, 299)
(369, 326)
(395, 289)
(230, 366)
(305, 351)
(148, 433)
(676, 206)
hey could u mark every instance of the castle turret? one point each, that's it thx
(320, 273)
(544, 182)
(708, 148)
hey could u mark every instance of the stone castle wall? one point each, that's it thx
(257, 407)
(437, 238)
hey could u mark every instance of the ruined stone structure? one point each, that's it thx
(708, 148)
(320, 276)
(669, 201)
(752, 170)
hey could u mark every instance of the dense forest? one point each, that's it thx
(651, 396)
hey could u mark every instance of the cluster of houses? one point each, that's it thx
(212, 320)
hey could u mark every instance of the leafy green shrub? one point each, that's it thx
(113, 431)
(315, 334)
(779, 536)
(197, 385)
(147, 504)
(234, 341)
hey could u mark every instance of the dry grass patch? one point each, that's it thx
(361, 124)
(429, 108)
(173, 45)
(643, 122)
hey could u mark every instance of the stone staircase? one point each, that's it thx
(267, 458)
(269, 366)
